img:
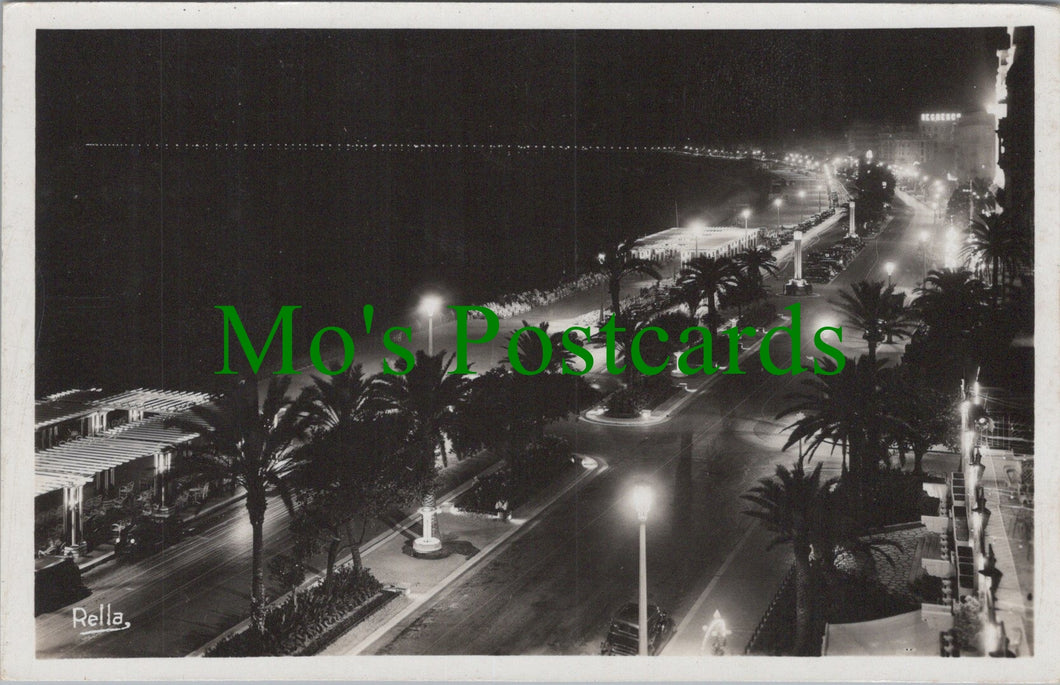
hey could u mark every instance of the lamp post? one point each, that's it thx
(776, 203)
(746, 214)
(819, 189)
(889, 268)
(923, 253)
(430, 306)
(642, 497)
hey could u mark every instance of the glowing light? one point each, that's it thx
(642, 499)
(430, 305)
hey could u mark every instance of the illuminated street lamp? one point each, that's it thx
(889, 268)
(430, 306)
(642, 497)
(746, 214)
(776, 203)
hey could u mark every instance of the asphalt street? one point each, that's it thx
(553, 589)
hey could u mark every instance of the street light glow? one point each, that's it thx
(889, 268)
(642, 499)
(746, 214)
(923, 236)
(430, 305)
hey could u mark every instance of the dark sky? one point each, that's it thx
(136, 243)
(514, 86)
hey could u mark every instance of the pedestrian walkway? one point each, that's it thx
(740, 590)
(1012, 604)
(469, 539)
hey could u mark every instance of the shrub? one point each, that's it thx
(538, 465)
(628, 402)
(292, 627)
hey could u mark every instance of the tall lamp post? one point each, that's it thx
(642, 497)
(923, 254)
(776, 203)
(889, 268)
(430, 306)
(745, 214)
(819, 189)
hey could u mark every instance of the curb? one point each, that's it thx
(372, 544)
(592, 467)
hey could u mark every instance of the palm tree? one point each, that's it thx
(430, 400)
(711, 277)
(745, 291)
(248, 443)
(952, 301)
(926, 414)
(338, 471)
(992, 240)
(791, 504)
(530, 350)
(619, 261)
(876, 310)
(757, 262)
(842, 411)
(429, 397)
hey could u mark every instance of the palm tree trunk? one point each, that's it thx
(803, 602)
(257, 572)
(355, 545)
(333, 554)
(994, 280)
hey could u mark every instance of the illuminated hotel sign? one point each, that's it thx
(939, 116)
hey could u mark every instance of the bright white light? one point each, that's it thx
(923, 236)
(777, 202)
(746, 214)
(889, 268)
(802, 194)
(642, 499)
(430, 305)
(601, 257)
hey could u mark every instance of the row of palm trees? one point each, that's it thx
(348, 448)
(870, 412)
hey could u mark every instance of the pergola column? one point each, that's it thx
(163, 463)
(73, 532)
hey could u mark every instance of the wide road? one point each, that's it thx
(554, 589)
(179, 599)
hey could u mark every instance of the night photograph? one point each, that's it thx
(534, 342)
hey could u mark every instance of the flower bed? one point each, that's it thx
(305, 623)
(628, 403)
(539, 464)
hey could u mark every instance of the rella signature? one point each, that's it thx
(103, 620)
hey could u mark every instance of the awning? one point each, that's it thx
(78, 461)
(64, 406)
(913, 634)
(154, 401)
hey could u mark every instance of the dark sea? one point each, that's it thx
(136, 249)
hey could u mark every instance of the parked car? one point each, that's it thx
(147, 534)
(623, 635)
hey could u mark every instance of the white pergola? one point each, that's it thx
(72, 465)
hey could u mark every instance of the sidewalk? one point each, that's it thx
(1012, 605)
(469, 539)
(741, 590)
